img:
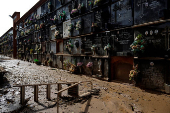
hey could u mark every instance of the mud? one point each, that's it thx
(112, 98)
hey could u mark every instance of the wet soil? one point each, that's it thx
(113, 97)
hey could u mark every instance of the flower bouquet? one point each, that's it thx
(138, 46)
(93, 48)
(133, 74)
(57, 32)
(69, 46)
(61, 16)
(78, 25)
(70, 29)
(89, 66)
(74, 12)
(106, 48)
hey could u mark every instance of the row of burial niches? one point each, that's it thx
(150, 41)
(151, 45)
(107, 17)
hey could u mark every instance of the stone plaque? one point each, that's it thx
(98, 42)
(155, 38)
(66, 1)
(53, 47)
(60, 45)
(65, 28)
(87, 43)
(57, 4)
(74, 4)
(52, 32)
(122, 13)
(149, 10)
(59, 61)
(67, 50)
(122, 41)
(152, 76)
(67, 11)
(75, 31)
(48, 47)
(60, 19)
(87, 23)
(77, 46)
(98, 18)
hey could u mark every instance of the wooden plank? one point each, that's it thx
(68, 87)
(22, 95)
(49, 92)
(58, 103)
(48, 84)
(59, 88)
(85, 94)
(36, 93)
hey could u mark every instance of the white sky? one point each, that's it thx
(8, 7)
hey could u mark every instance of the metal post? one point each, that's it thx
(36, 93)
(59, 88)
(48, 92)
(22, 95)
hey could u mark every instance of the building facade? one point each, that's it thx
(6, 43)
(101, 38)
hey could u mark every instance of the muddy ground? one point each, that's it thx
(112, 98)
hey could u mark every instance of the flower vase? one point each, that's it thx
(69, 49)
(107, 52)
(94, 52)
(90, 71)
(80, 69)
(133, 82)
(50, 64)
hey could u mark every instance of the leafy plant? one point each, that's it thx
(36, 60)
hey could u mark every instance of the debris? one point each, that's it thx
(10, 100)
(18, 63)
(26, 100)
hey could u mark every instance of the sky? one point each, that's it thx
(8, 7)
